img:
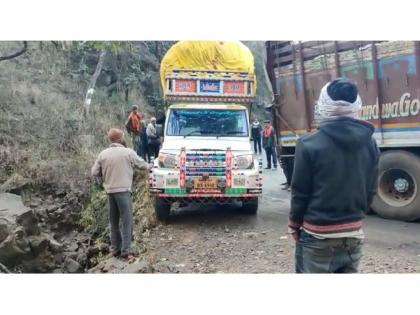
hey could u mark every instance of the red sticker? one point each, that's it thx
(233, 87)
(185, 86)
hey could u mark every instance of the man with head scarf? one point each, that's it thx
(334, 181)
(114, 166)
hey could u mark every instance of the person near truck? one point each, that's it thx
(269, 144)
(286, 163)
(153, 138)
(333, 184)
(114, 166)
(256, 135)
(143, 148)
(133, 125)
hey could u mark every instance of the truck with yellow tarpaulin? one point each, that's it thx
(206, 154)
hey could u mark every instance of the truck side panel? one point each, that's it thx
(387, 76)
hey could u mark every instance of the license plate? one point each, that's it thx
(239, 182)
(172, 182)
(210, 183)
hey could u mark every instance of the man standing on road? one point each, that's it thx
(333, 184)
(133, 126)
(114, 166)
(256, 135)
(286, 164)
(269, 143)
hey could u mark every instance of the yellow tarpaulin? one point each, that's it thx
(208, 55)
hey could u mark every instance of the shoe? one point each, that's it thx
(275, 168)
(285, 187)
(128, 254)
(116, 252)
(267, 168)
(284, 184)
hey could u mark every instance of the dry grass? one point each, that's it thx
(43, 134)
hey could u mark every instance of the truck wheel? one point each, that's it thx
(250, 206)
(162, 209)
(398, 194)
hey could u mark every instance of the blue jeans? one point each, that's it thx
(333, 255)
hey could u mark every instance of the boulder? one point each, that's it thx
(29, 222)
(21, 242)
(4, 229)
(139, 266)
(72, 266)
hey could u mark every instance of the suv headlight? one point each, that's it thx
(244, 162)
(167, 160)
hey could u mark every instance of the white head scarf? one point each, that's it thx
(330, 109)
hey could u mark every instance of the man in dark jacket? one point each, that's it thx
(256, 135)
(143, 148)
(334, 181)
(269, 144)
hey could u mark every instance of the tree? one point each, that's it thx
(92, 84)
(16, 54)
(103, 47)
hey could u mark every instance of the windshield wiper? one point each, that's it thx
(190, 133)
(235, 133)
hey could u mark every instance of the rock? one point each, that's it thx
(11, 206)
(51, 208)
(72, 255)
(251, 234)
(104, 248)
(35, 202)
(139, 266)
(73, 247)
(93, 251)
(72, 266)
(55, 246)
(4, 229)
(82, 259)
(112, 264)
(58, 259)
(29, 222)
(16, 184)
(38, 244)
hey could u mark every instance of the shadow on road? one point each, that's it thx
(209, 214)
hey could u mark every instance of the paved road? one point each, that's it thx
(211, 238)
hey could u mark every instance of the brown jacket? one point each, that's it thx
(115, 165)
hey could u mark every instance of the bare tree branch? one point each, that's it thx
(90, 90)
(16, 54)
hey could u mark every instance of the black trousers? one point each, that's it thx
(287, 164)
(154, 150)
(257, 142)
(271, 155)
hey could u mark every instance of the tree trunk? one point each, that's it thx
(91, 88)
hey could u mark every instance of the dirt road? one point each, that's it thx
(215, 239)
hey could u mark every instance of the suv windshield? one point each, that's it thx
(207, 122)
